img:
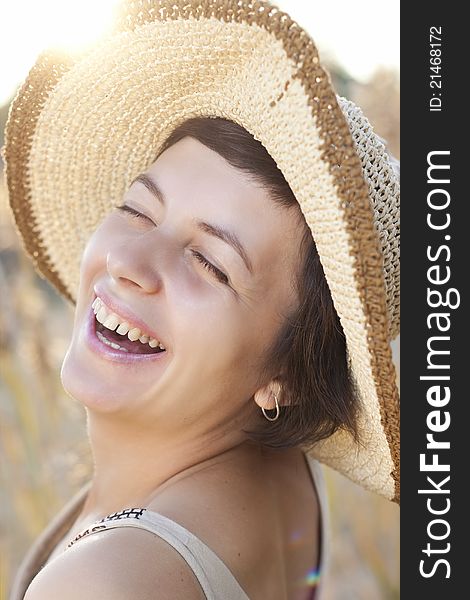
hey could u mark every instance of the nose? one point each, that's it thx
(131, 265)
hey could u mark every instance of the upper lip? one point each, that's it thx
(123, 311)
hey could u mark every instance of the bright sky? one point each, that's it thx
(361, 34)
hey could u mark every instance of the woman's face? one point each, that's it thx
(215, 326)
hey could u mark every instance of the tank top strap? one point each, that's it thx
(215, 578)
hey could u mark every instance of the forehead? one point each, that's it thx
(198, 180)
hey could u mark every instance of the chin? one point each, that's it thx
(95, 392)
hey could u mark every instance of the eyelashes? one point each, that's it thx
(133, 212)
(210, 267)
(202, 259)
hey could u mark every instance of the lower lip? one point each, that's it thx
(109, 353)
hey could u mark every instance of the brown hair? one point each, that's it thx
(317, 392)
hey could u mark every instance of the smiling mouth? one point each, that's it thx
(116, 332)
(121, 342)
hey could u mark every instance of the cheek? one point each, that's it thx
(221, 340)
(220, 330)
(92, 255)
(100, 242)
(93, 262)
(94, 258)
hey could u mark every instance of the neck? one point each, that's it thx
(132, 465)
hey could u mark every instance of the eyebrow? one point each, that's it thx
(219, 232)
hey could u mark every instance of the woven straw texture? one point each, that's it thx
(82, 127)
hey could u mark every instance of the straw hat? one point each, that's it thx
(83, 126)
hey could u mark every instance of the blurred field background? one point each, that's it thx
(44, 453)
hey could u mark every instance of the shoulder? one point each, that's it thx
(227, 507)
(117, 564)
(246, 510)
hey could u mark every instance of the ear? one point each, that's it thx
(264, 396)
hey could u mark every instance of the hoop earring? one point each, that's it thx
(277, 410)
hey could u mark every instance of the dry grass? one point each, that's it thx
(44, 455)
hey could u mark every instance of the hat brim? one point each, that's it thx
(81, 128)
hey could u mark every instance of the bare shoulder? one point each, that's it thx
(118, 564)
(247, 510)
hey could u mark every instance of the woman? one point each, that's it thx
(227, 230)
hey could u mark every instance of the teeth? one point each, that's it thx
(111, 320)
(134, 334)
(123, 328)
(102, 314)
(108, 343)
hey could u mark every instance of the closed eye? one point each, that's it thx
(133, 212)
(210, 267)
(202, 259)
